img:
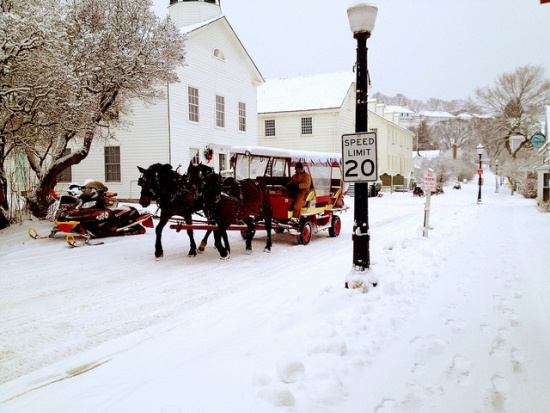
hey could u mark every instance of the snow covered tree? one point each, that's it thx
(97, 56)
(517, 103)
(27, 53)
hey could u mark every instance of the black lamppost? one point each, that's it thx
(480, 149)
(362, 17)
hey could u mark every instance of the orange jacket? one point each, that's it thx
(302, 180)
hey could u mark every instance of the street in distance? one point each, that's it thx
(359, 157)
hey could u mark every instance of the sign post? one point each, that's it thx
(359, 157)
(360, 166)
(429, 182)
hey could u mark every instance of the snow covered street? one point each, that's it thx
(459, 321)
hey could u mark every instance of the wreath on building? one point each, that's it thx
(208, 152)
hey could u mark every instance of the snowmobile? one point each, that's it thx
(89, 214)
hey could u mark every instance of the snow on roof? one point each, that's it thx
(292, 154)
(397, 109)
(324, 91)
(435, 114)
(483, 115)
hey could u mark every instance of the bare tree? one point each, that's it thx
(416, 105)
(517, 102)
(381, 98)
(435, 104)
(452, 132)
(423, 138)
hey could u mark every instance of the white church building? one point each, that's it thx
(211, 109)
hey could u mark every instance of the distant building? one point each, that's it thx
(213, 106)
(405, 115)
(433, 116)
(313, 112)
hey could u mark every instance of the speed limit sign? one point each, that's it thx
(359, 157)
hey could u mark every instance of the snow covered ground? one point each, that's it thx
(459, 321)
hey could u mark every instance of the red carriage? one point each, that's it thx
(272, 167)
(325, 200)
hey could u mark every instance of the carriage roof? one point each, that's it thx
(293, 155)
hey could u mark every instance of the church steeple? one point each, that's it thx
(188, 12)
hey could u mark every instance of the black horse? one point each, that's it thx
(174, 197)
(228, 201)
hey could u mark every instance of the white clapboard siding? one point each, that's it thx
(327, 127)
(216, 63)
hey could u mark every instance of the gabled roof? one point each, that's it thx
(324, 91)
(189, 30)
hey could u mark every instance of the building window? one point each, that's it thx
(194, 156)
(21, 167)
(219, 54)
(220, 111)
(242, 117)
(270, 127)
(67, 174)
(112, 163)
(222, 161)
(193, 96)
(307, 127)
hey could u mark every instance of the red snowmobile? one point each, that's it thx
(88, 215)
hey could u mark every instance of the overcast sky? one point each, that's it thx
(420, 48)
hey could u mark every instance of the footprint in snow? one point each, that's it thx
(496, 397)
(459, 370)
(290, 371)
(277, 395)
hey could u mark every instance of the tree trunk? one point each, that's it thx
(4, 207)
(39, 200)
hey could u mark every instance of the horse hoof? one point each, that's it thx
(267, 249)
(202, 246)
(225, 258)
(192, 254)
(248, 252)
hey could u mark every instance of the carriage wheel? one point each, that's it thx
(305, 233)
(335, 227)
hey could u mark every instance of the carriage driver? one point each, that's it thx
(298, 188)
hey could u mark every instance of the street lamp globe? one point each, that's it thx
(362, 17)
(480, 149)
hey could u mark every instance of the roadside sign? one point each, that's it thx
(429, 181)
(359, 157)
(537, 140)
(429, 184)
